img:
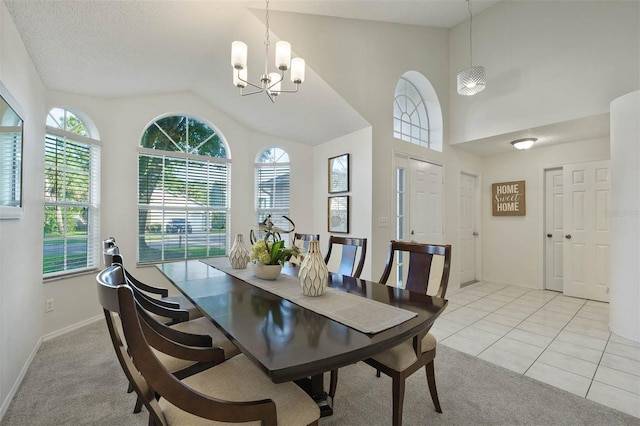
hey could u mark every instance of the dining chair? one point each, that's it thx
(347, 264)
(350, 248)
(301, 241)
(232, 390)
(179, 307)
(200, 326)
(427, 272)
(304, 239)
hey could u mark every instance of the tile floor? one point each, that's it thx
(559, 340)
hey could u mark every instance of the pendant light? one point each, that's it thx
(471, 80)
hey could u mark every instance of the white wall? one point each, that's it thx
(358, 145)
(21, 300)
(625, 218)
(363, 61)
(546, 62)
(513, 246)
(121, 123)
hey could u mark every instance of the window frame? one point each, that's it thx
(420, 106)
(184, 212)
(92, 204)
(276, 213)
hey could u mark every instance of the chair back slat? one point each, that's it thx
(350, 246)
(347, 260)
(419, 272)
(421, 265)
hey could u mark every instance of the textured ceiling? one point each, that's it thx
(113, 49)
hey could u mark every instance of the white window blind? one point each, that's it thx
(183, 191)
(71, 223)
(272, 188)
(10, 160)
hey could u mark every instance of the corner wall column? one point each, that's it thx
(624, 215)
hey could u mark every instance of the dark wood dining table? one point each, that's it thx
(291, 343)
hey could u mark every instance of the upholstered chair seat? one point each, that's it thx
(238, 379)
(403, 356)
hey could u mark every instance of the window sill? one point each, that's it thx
(67, 275)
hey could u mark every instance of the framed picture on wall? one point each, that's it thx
(339, 174)
(338, 214)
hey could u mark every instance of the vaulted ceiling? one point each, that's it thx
(114, 49)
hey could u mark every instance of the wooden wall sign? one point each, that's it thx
(509, 199)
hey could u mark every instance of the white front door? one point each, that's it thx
(419, 205)
(554, 231)
(425, 202)
(586, 230)
(468, 230)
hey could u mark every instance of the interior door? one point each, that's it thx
(586, 229)
(425, 202)
(554, 231)
(468, 230)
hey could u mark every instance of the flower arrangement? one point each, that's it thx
(272, 252)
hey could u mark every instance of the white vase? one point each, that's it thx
(239, 254)
(267, 272)
(313, 274)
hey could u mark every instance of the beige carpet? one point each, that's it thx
(75, 379)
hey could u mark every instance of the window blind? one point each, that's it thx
(71, 224)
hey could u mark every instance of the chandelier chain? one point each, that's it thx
(266, 40)
(266, 33)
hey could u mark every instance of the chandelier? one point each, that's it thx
(270, 82)
(472, 79)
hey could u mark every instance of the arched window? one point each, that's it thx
(71, 194)
(272, 186)
(417, 116)
(183, 191)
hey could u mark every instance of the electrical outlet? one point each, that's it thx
(48, 305)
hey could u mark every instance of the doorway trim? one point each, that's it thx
(478, 224)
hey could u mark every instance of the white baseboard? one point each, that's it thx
(72, 327)
(18, 382)
(25, 367)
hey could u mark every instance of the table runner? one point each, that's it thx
(360, 313)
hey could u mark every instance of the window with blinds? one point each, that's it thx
(272, 187)
(183, 191)
(10, 161)
(71, 196)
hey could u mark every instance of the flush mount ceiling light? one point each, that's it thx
(472, 79)
(523, 143)
(270, 83)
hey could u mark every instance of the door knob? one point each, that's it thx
(568, 236)
(412, 232)
(549, 235)
(475, 234)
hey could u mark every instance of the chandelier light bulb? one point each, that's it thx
(283, 55)
(297, 70)
(274, 84)
(239, 55)
(240, 77)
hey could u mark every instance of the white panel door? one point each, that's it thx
(419, 198)
(468, 231)
(554, 238)
(586, 229)
(425, 202)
